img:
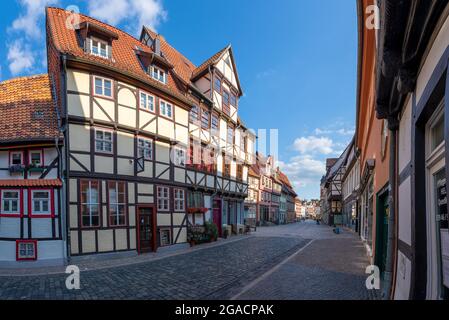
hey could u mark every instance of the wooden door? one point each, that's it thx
(146, 232)
(217, 216)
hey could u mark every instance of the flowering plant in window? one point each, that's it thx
(197, 210)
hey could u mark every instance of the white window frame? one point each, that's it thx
(41, 201)
(22, 160)
(89, 204)
(92, 39)
(162, 199)
(10, 200)
(27, 245)
(41, 154)
(147, 99)
(180, 200)
(103, 81)
(159, 73)
(169, 235)
(151, 148)
(164, 111)
(103, 140)
(180, 160)
(117, 204)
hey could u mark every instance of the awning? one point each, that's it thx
(31, 183)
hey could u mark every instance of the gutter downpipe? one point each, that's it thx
(393, 124)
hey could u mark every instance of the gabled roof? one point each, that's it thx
(215, 59)
(124, 58)
(198, 72)
(28, 110)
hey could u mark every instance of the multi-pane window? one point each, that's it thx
(230, 135)
(165, 237)
(16, 158)
(10, 202)
(225, 98)
(90, 204)
(194, 114)
(36, 158)
(166, 109)
(146, 101)
(243, 142)
(158, 74)
(195, 200)
(40, 202)
(179, 200)
(217, 84)
(233, 100)
(214, 124)
(103, 87)
(205, 119)
(226, 167)
(26, 250)
(163, 199)
(117, 204)
(145, 148)
(103, 141)
(99, 48)
(180, 156)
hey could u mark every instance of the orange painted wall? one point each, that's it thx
(369, 132)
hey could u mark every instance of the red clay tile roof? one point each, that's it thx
(124, 57)
(27, 110)
(182, 66)
(31, 183)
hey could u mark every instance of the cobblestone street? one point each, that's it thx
(321, 265)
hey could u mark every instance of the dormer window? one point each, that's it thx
(158, 74)
(100, 48)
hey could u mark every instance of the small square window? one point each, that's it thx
(166, 109)
(10, 202)
(41, 202)
(36, 158)
(145, 148)
(146, 101)
(103, 141)
(26, 250)
(165, 236)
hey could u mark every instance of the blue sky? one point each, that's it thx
(297, 62)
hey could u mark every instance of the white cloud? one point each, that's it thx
(136, 12)
(320, 132)
(313, 144)
(28, 22)
(20, 58)
(346, 132)
(265, 74)
(303, 171)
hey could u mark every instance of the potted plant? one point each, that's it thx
(17, 168)
(212, 231)
(32, 167)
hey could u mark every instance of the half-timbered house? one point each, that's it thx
(153, 143)
(32, 226)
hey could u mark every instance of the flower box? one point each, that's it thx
(17, 168)
(197, 210)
